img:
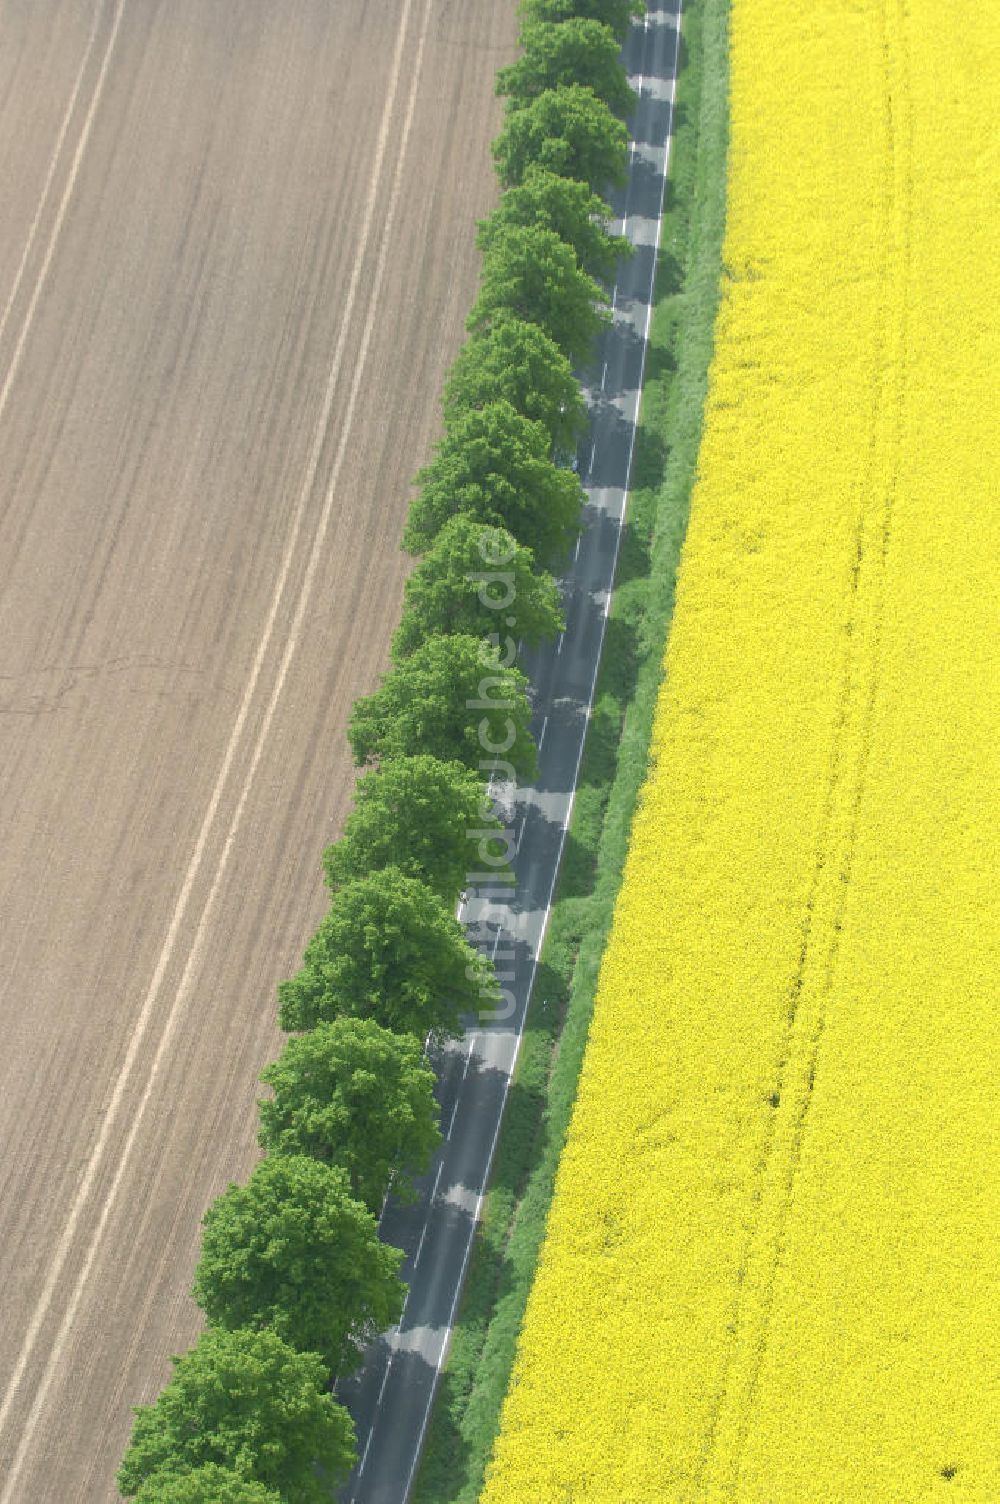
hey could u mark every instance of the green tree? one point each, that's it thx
(574, 51)
(477, 579)
(247, 1402)
(513, 360)
(206, 1485)
(452, 698)
(414, 813)
(358, 1097)
(292, 1250)
(569, 210)
(391, 950)
(568, 130)
(614, 13)
(497, 467)
(534, 273)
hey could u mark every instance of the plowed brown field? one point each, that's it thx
(235, 257)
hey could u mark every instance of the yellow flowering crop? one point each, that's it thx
(772, 1268)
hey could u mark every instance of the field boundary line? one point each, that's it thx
(64, 202)
(142, 1026)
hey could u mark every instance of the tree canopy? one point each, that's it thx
(389, 949)
(497, 467)
(614, 13)
(568, 130)
(251, 1404)
(452, 698)
(292, 1250)
(567, 208)
(205, 1485)
(513, 360)
(534, 273)
(477, 579)
(575, 51)
(357, 1097)
(413, 813)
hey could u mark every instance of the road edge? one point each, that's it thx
(467, 1411)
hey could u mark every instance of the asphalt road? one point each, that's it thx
(392, 1396)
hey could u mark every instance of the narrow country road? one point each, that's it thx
(391, 1398)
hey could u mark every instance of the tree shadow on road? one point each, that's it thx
(469, 1394)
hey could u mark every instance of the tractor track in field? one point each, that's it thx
(810, 993)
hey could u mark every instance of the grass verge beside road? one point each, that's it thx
(541, 1099)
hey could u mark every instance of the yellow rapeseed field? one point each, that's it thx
(772, 1268)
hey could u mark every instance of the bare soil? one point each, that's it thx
(180, 638)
